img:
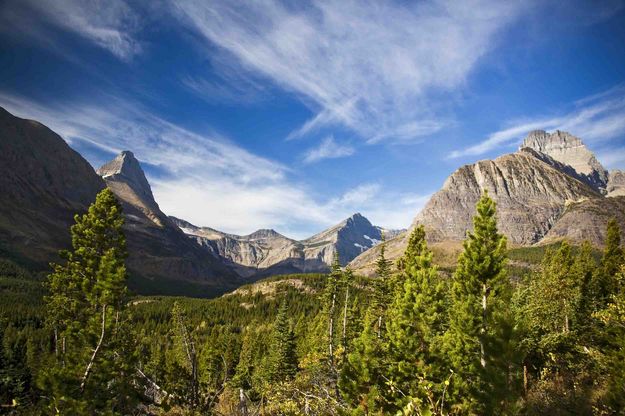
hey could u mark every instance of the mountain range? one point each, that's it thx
(552, 188)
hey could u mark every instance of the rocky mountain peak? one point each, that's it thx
(126, 168)
(125, 177)
(616, 183)
(264, 233)
(565, 148)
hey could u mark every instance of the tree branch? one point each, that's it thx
(95, 351)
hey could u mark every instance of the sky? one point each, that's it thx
(293, 115)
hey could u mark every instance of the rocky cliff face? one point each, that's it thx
(44, 183)
(616, 183)
(569, 150)
(531, 195)
(587, 220)
(268, 252)
(158, 250)
(552, 188)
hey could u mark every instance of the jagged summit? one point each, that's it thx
(264, 233)
(569, 150)
(126, 167)
(125, 177)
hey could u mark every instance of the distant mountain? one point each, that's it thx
(553, 188)
(158, 249)
(267, 252)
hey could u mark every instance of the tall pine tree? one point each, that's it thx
(282, 355)
(479, 297)
(613, 258)
(85, 310)
(415, 325)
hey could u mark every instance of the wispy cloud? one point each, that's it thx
(327, 149)
(206, 178)
(595, 119)
(111, 25)
(374, 67)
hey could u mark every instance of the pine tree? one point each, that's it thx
(584, 270)
(346, 283)
(480, 294)
(283, 355)
(84, 307)
(330, 308)
(415, 325)
(361, 382)
(611, 262)
(187, 353)
(383, 288)
(613, 316)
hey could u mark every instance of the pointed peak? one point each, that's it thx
(126, 168)
(264, 233)
(124, 163)
(357, 218)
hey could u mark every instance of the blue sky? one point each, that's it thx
(293, 115)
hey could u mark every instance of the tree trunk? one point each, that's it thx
(331, 331)
(56, 342)
(345, 319)
(95, 351)
(482, 353)
(525, 379)
(380, 326)
(242, 402)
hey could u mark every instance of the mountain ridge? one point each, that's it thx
(552, 188)
(265, 251)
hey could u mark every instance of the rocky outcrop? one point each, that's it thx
(587, 220)
(530, 194)
(267, 252)
(158, 249)
(44, 184)
(569, 150)
(616, 183)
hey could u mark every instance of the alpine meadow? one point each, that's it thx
(407, 208)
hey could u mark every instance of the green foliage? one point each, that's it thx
(91, 368)
(415, 324)
(479, 299)
(282, 355)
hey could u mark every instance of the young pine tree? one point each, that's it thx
(85, 307)
(613, 316)
(415, 325)
(611, 262)
(383, 289)
(283, 355)
(187, 355)
(331, 299)
(479, 297)
(360, 379)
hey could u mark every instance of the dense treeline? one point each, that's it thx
(413, 340)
